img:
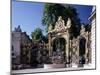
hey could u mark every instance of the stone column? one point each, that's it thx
(49, 39)
(86, 52)
(89, 49)
(67, 47)
(86, 49)
(78, 50)
(66, 52)
(70, 52)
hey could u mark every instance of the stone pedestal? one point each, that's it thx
(48, 66)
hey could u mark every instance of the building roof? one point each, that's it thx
(92, 13)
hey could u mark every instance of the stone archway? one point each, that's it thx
(59, 44)
(60, 31)
(82, 49)
(82, 43)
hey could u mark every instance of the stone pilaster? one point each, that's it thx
(67, 48)
(49, 39)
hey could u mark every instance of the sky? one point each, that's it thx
(29, 15)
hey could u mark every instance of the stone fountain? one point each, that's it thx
(57, 60)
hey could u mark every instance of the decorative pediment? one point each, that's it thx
(18, 29)
(82, 31)
(50, 28)
(60, 25)
(68, 25)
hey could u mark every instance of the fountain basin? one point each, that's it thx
(48, 66)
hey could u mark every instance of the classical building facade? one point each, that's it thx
(16, 38)
(74, 49)
(21, 46)
(92, 18)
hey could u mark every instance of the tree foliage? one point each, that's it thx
(53, 11)
(87, 27)
(37, 34)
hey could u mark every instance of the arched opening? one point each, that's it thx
(82, 50)
(59, 45)
(82, 46)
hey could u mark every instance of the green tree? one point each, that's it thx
(45, 38)
(53, 11)
(37, 34)
(87, 27)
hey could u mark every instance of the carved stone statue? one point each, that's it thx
(18, 29)
(58, 57)
(74, 50)
(68, 23)
(60, 25)
(59, 18)
(50, 28)
(82, 29)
